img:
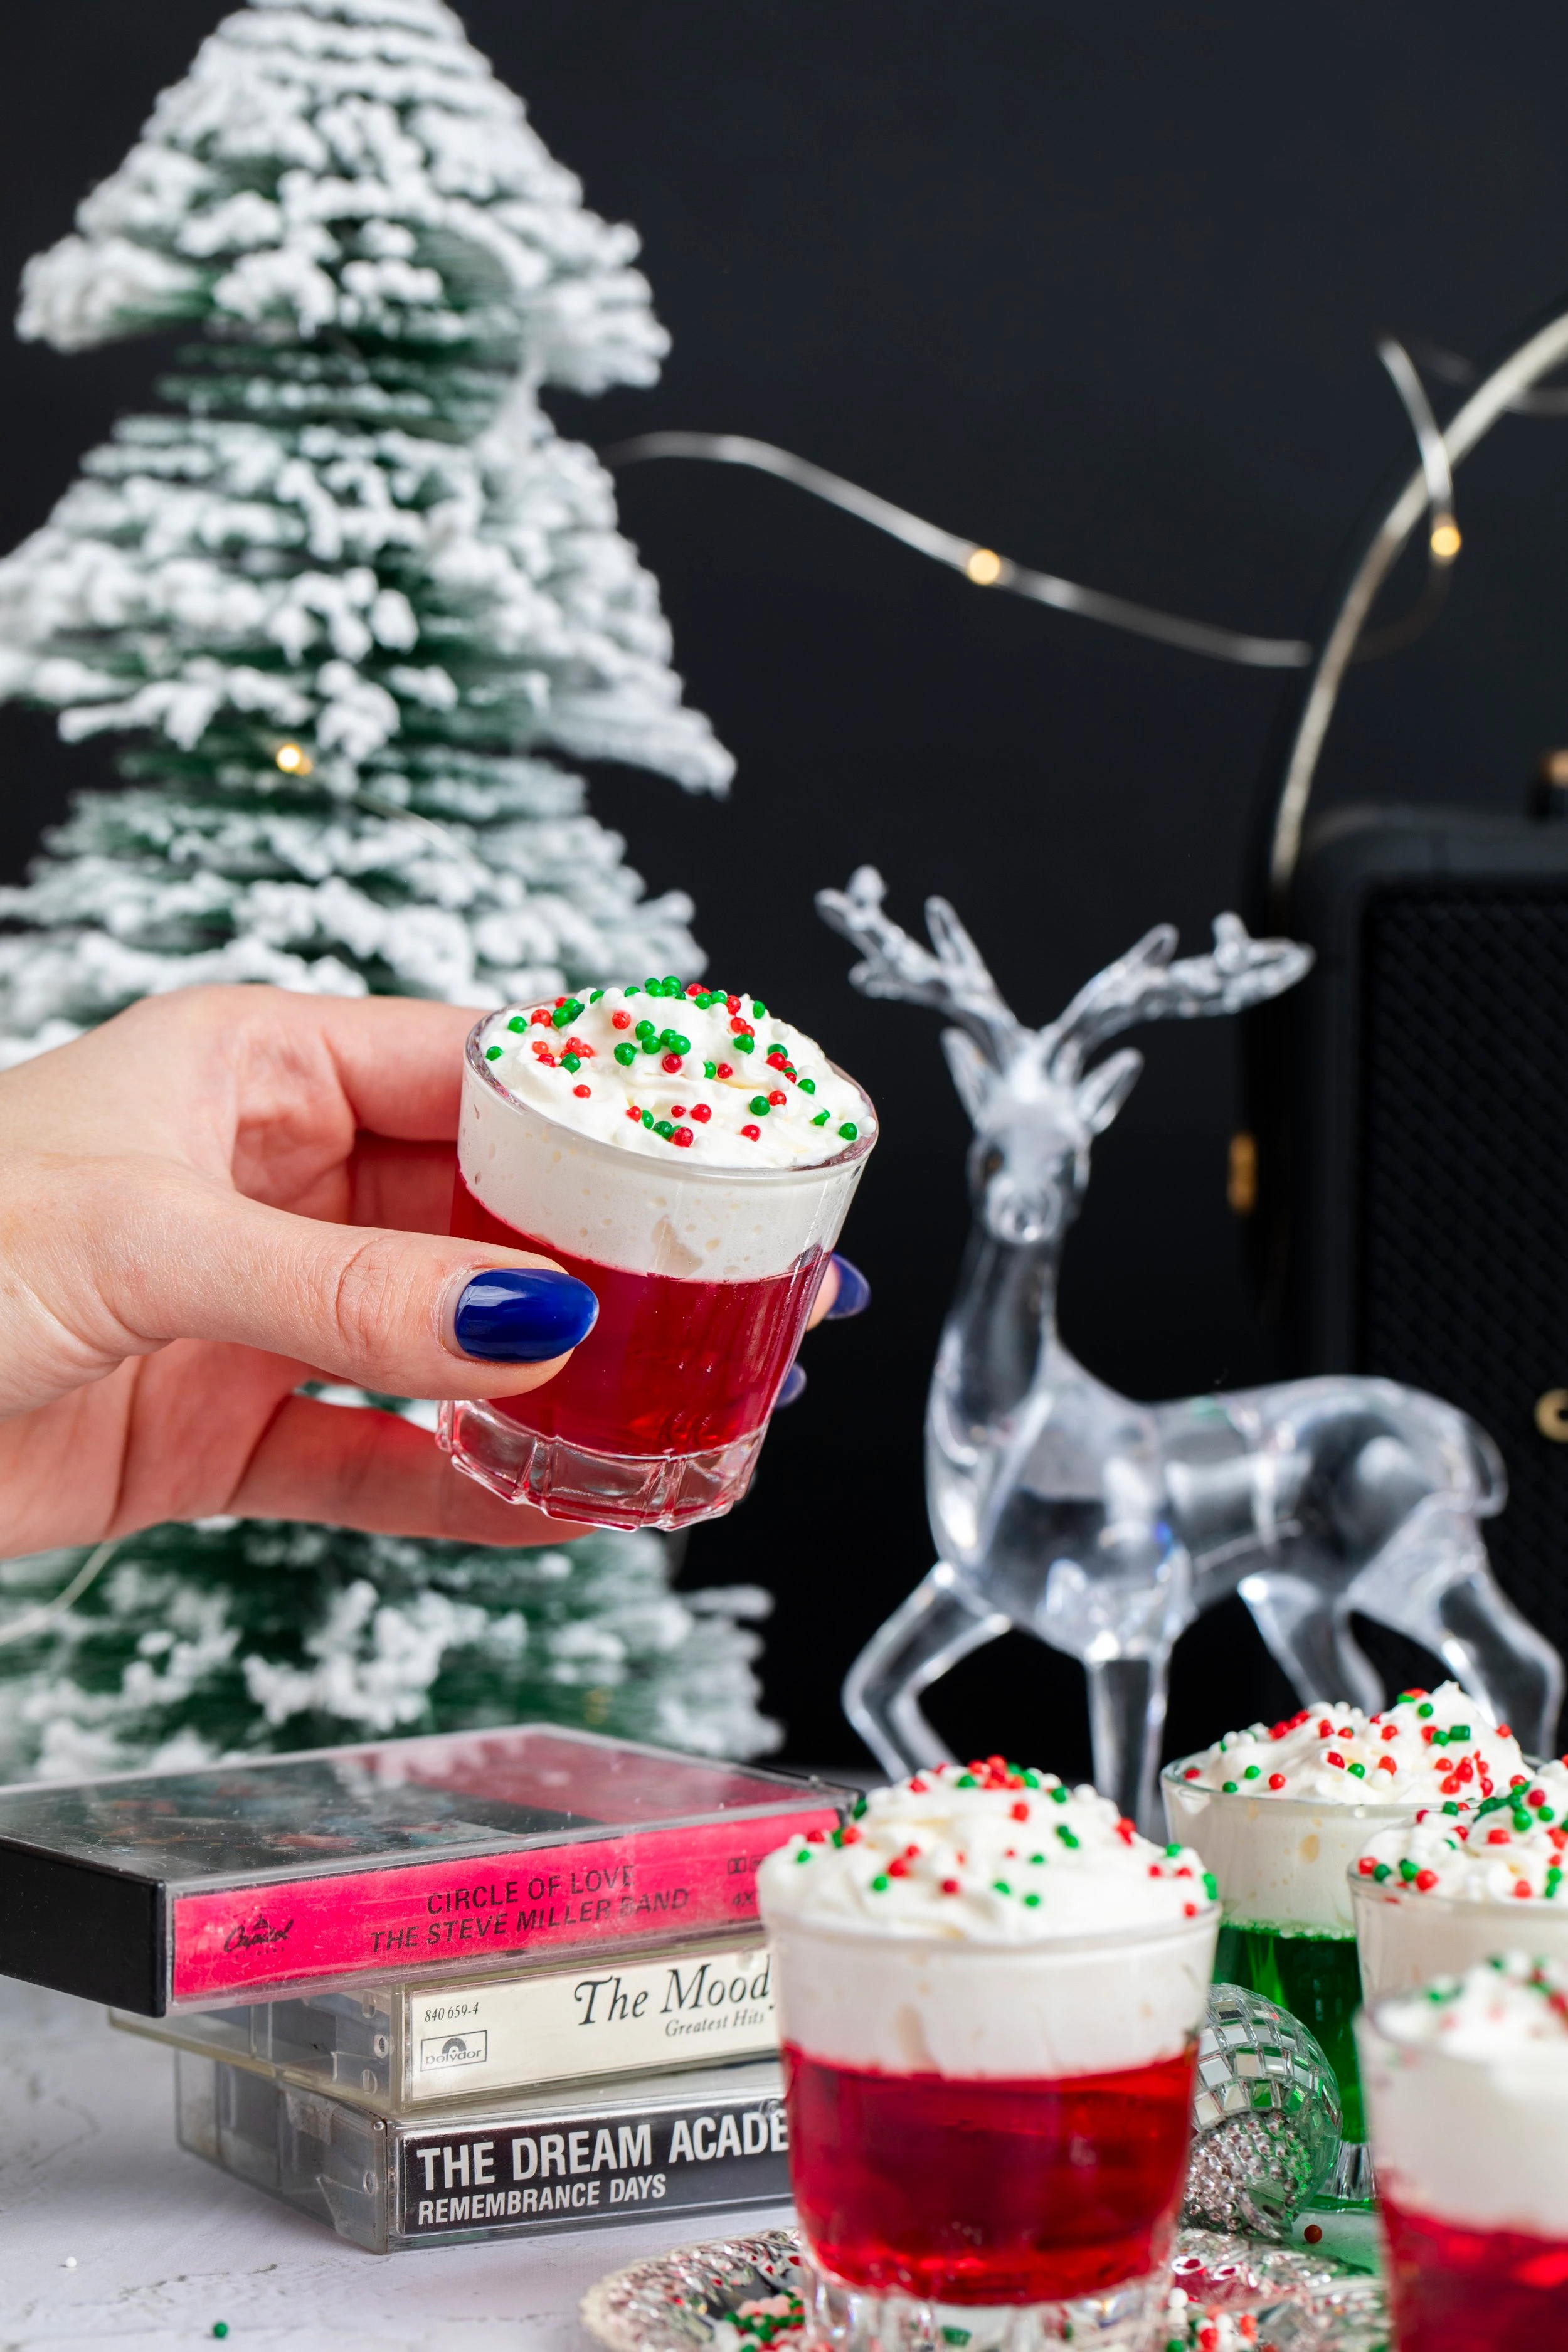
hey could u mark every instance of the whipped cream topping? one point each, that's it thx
(1499, 2007)
(1508, 1850)
(1430, 1747)
(989, 1853)
(682, 1073)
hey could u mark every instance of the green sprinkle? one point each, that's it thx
(644, 1029)
(710, 1070)
(673, 987)
(1450, 1806)
(808, 1085)
(879, 1883)
(849, 1131)
(805, 1854)
(626, 1056)
(570, 1062)
(759, 1012)
(1384, 1870)
(838, 1837)
(647, 1119)
(594, 995)
(1031, 1901)
(1554, 1880)
(858, 1809)
(1211, 1886)
(1251, 1773)
(565, 1014)
(654, 987)
(955, 2335)
(516, 1024)
(1030, 1780)
(1171, 1852)
(1407, 1870)
(665, 1126)
(1425, 1708)
(631, 991)
(821, 1119)
(1358, 1769)
(492, 1053)
(675, 1041)
(759, 1106)
(1460, 1731)
(1058, 1795)
(1229, 1787)
(1545, 1813)
(1037, 1859)
(743, 1044)
(964, 1780)
(1066, 1836)
(649, 1046)
(1000, 1886)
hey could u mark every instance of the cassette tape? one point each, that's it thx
(693, 2143)
(158, 1891)
(409, 2043)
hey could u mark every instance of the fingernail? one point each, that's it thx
(522, 1314)
(794, 1386)
(854, 1293)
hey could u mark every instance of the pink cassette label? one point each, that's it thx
(244, 1939)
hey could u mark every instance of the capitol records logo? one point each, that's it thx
(453, 2050)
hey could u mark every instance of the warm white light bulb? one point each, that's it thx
(1445, 541)
(293, 758)
(984, 566)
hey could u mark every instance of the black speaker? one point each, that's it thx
(1413, 1098)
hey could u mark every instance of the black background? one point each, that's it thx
(1099, 288)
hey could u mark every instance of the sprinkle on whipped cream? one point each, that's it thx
(1435, 1746)
(1498, 2006)
(1509, 1849)
(990, 1853)
(662, 1066)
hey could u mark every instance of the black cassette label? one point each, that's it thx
(575, 2169)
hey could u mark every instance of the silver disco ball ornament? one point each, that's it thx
(1265, 2117)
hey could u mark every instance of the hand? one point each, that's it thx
(213, 1197)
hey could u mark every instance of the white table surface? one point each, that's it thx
(164, 2244)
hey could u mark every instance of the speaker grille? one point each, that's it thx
(1464, 1140)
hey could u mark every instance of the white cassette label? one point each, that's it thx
(698, 2006)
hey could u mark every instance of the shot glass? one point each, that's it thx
(988, 2142)
(1472, 2169)
(705, 1277)
(1289, 1932)
(1406, 1938)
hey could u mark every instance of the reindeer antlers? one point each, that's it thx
(954, 980)
(1144, 984)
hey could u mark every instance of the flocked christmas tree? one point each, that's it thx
(350, 601)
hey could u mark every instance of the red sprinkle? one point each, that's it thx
(1424, 1881)
(1333, 1757)
(1497, 1837)
(1276, 1779)
(950, 1886)
(683, 1136)
(704, 1111)
(751, 1134)
(1190, 1910)
(1366, 1865)
(1521, 1887)
(670, 1062)
(582, 1093)
(723, 1070)
(917, 1789)
(620, 1020)
(741, 1029)
(733, 1004)
(1386, 1764)
(778, 1096)
(695, 988)
(1020, 1812)
(634, 1112)
(677, 1110)
(1536, 1797)
(1390, 1731)
(1190, 1773)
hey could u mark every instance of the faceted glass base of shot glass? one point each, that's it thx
(604, 1490)
(842, 2318)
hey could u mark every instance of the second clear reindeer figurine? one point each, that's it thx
(1104, 1526)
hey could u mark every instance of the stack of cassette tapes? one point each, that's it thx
(475, 1986)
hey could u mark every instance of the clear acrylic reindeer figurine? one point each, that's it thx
(1105, 1526)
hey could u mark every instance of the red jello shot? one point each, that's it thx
(990, 1990)
(1466, 2085)
(691, 1158)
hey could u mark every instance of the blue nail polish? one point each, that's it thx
(854, 1294)
(522, 1314)
(794, 1385)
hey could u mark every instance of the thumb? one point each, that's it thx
(411, 1314)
